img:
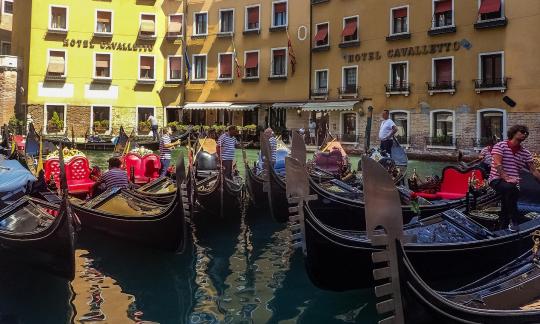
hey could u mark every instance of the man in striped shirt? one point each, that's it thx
(226, 146)
(509, 157)
(165, 147)
(115, 177)
(272, 140)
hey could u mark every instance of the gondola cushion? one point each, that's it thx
(331, 162)
(454, 184)
(77, 174)
(145, 168)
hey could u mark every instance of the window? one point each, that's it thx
(349, 80)
(398, 76)
(58, 18)
(143, 125)
(174, 29)
(147, 26)
(442, 75)
(321, 38)
(350, 29)
(400, 20)
(104, 22)
(442, 128)
(443, 15)
(349, 127)
(200, 24)
(250, 117)
(7, 8)
(279, 63)
(491, 126)
(146, 68)
(251, 64)
(321, 79)
(490, 9)
(252, 18)
(174, 68)
(174, 114)
(401, 119)
(56, 66)
(225, 66)
(226, 21)
(198, 117)
(224, 117)
(5, 48)
(55, 116)
(102, 65)
(279, 14)
(491, 70)
(199, 67)
(101, 119)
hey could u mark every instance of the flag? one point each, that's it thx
(292, 56)
(188, 63)
(236, 64)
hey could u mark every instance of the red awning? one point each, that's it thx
(280, 7)
(225, 64)
(350, 28)
(252, 60)
(322, 32)
(443, 6)
(279, 53)
(253, 15)
(400, 13)
(175, 63)
(489, 6)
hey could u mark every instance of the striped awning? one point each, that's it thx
(208, 106)
(329, 106)
(288, 105)
(239, 107)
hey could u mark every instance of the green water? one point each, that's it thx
(229, 274)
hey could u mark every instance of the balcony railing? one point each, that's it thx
(491, 84)
(319, 92)
(399, 87)
(440, 141)
(441, 86)
(348, 91)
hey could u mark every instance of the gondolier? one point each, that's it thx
(165, 147)
(226, 145)
(386, 132)
(272, 140)
(508, 158)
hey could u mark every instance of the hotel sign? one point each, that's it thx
(420, 50)
(119, 46)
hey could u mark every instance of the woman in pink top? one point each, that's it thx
(509, 157)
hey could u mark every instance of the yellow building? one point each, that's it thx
(97, 64)
(5, 26)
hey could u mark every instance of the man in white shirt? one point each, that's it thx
(154, 123)
(386, 132)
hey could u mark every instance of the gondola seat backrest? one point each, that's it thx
(455, 183)
(151, 165)
(206, 161)
(280, 159)
(331, 162)
(77, 174)
(145, 168)
(20, 142)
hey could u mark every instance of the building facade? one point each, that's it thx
(453, 73)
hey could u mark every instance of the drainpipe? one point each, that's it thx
(310, 48)
(368, 129)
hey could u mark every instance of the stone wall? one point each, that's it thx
(8, 94)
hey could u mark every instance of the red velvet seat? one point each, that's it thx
(20, 142)
(145, 168)
(454, 184)
(331, 162)
(77, 174)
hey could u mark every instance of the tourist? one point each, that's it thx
(509, 157)
(312, 127)
(485, 156)
(154, 126)
(226, 145)
(115, 177)
(386, 132)
(165, 147)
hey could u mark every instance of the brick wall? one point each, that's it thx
(8, 93)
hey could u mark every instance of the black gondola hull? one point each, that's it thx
(255, 187)
(277, 198)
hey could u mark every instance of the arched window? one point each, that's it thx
(491, 125)
(401, 119)
(442, 128)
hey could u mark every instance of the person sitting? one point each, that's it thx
(114, 178)
(485, 156)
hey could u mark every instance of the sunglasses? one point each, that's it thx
(524, 133)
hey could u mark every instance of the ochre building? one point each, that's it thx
(453, 73)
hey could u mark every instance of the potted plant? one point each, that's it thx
(55, 124)
(173, 125)
(144, 127)
(101, 126)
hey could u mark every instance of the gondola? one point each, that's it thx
(121, 214)
(276, 190)
(441, 242)
(40, 233)
(510, 294)
(215, 194)
(162, 190)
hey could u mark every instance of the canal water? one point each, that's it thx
(244, 273)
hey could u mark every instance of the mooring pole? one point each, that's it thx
(368, 129)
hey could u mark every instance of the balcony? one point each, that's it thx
(441, 87)
(55, 77)
(318, 1)
(348, 92)
(347, 44)
(321, 93)
(442, 30)
(399, 88)
(320, 48)
(492, 84)
(440, 141)
(398, 36)
(146, 36)
(491, 23)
